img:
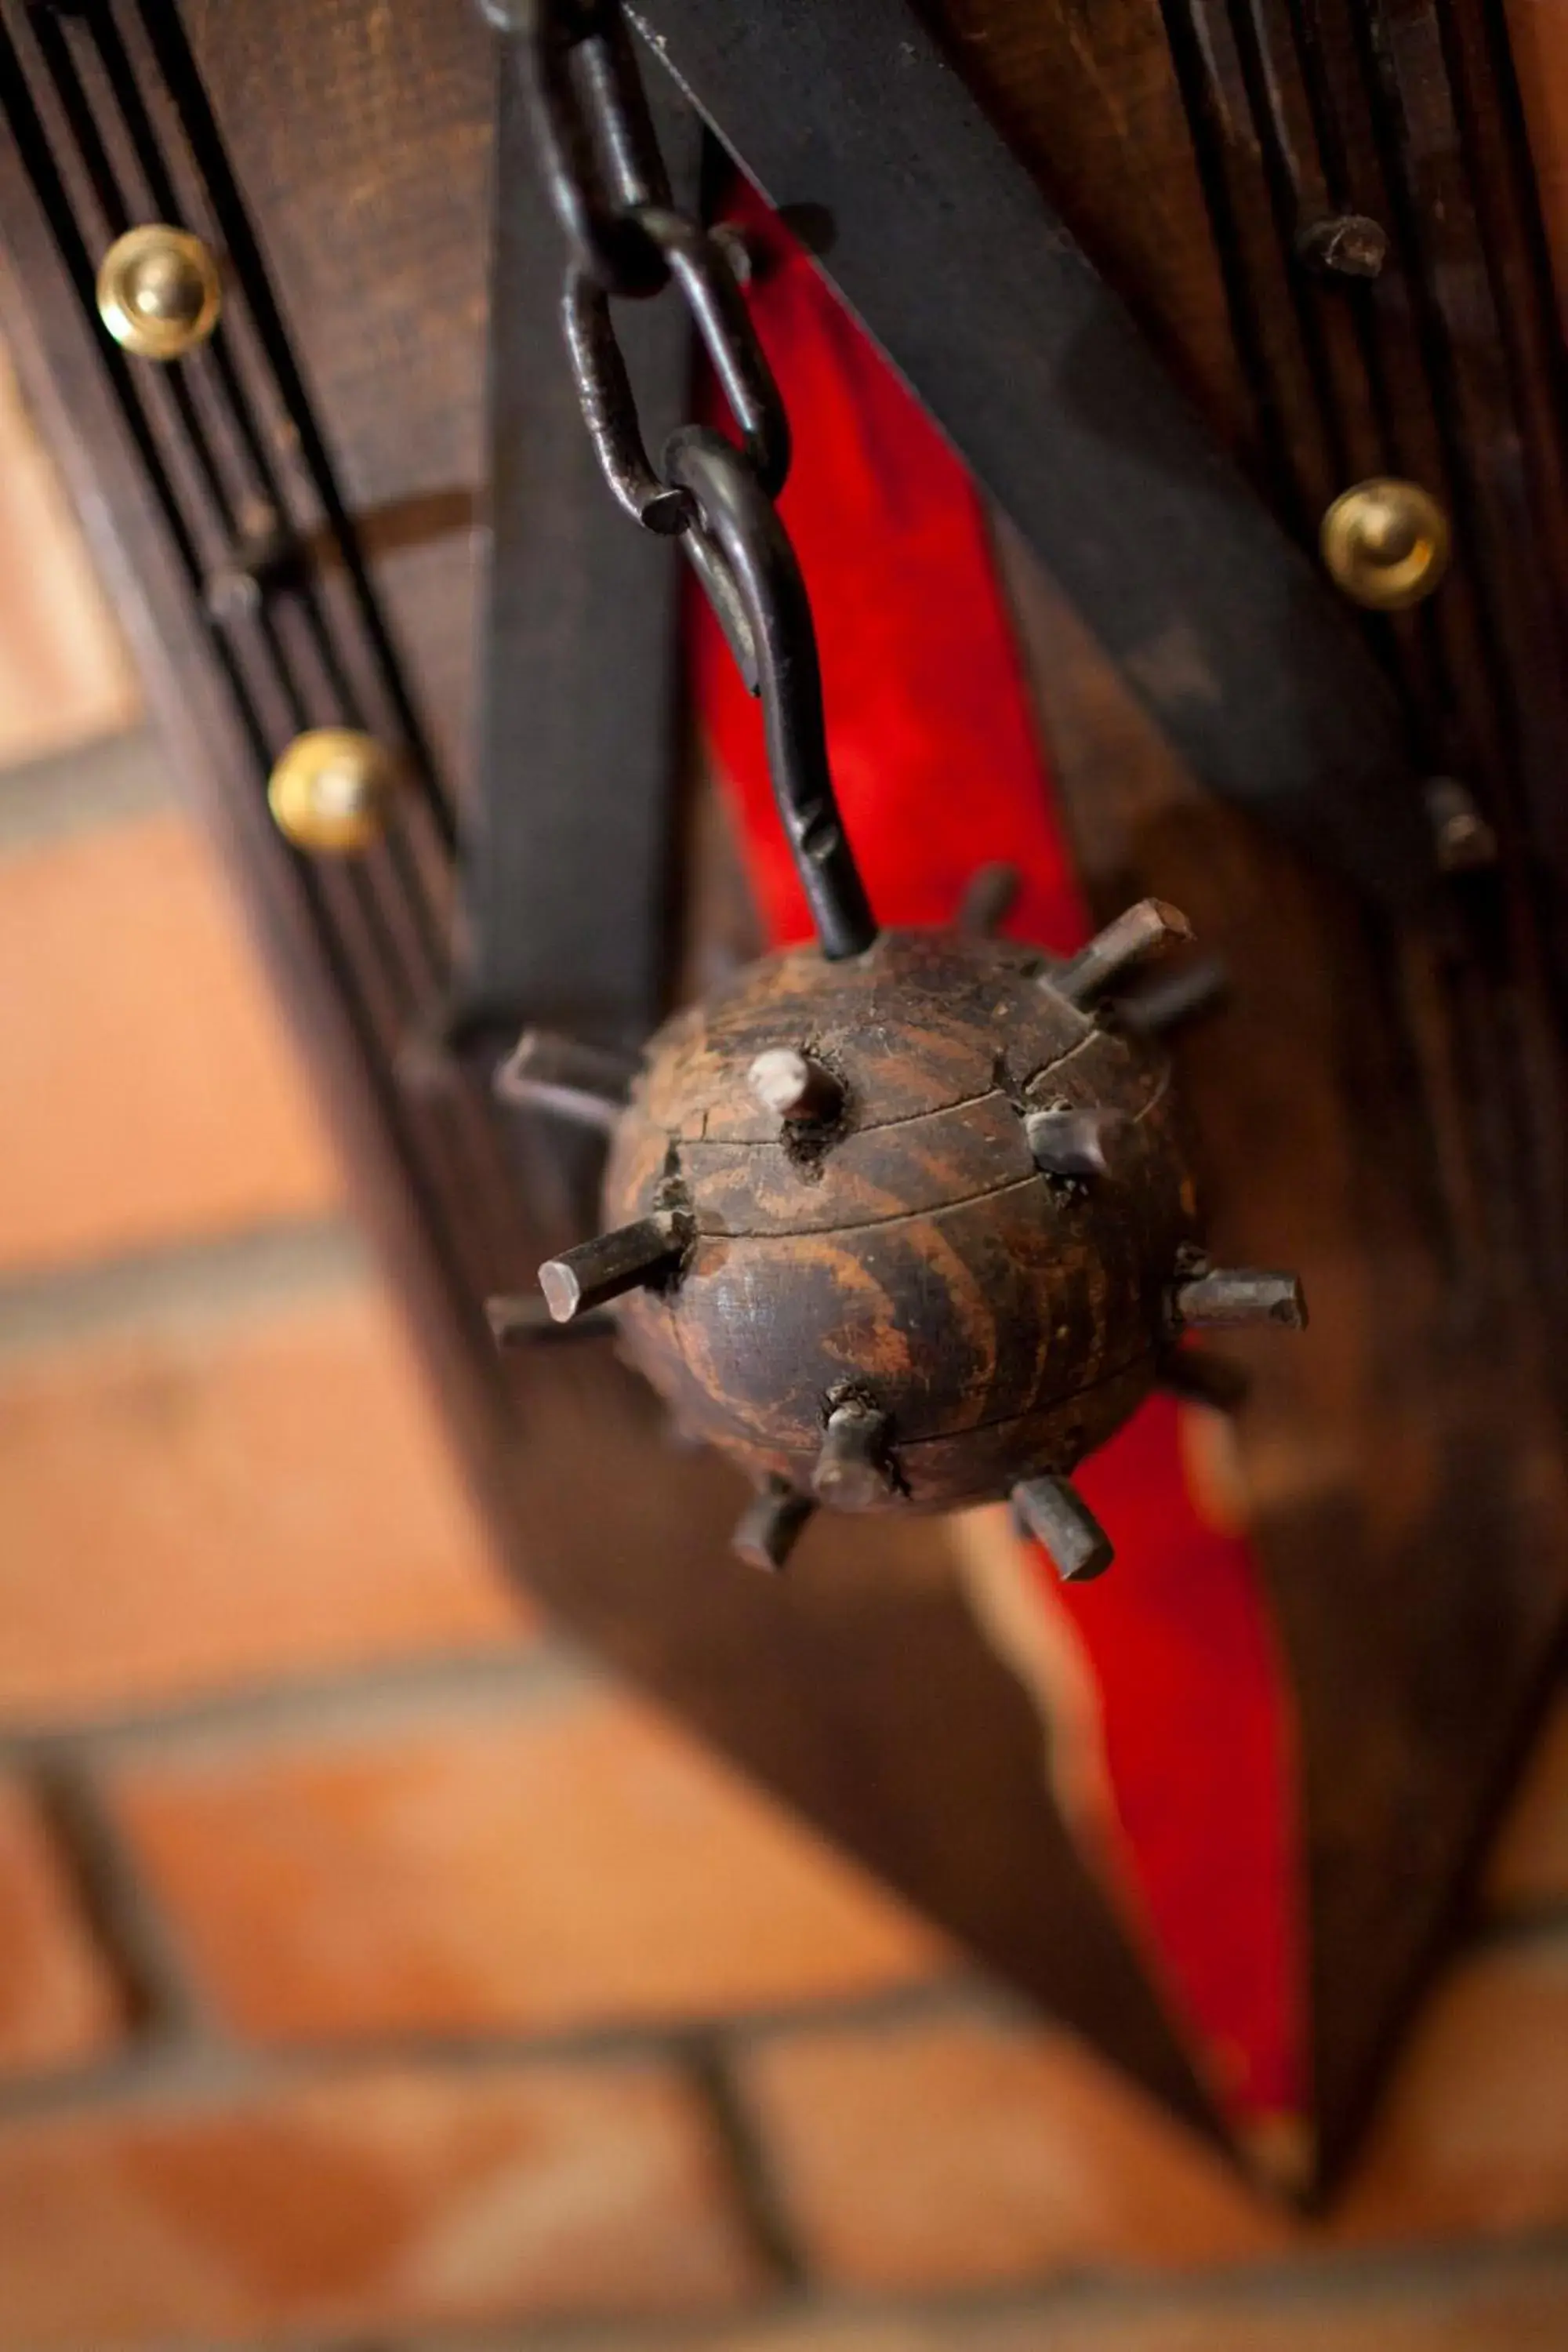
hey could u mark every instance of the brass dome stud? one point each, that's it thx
(1386, 543)
(333, 792)
(159, 292)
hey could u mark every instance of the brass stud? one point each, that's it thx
(333, 790)
(1386, 543)
(159, 293)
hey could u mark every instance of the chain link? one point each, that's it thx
(626, 241)
(705, 276)
(594, 135)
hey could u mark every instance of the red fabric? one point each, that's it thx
(938, 771)
(1198, 1742)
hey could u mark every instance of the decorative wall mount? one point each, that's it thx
(1413, 1539)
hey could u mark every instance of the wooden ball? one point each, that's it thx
(899, 1252)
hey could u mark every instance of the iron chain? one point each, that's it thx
(626, 241)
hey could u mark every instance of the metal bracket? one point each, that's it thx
(566, 856)
(945, 250)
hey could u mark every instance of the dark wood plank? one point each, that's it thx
(1408, 1487)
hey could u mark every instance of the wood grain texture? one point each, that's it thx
(1363, 1107)
(1089, 98)
(1004, 1321)
(1407, 1492)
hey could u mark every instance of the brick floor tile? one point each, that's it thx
(1521, 2305)
(570, 1862)
(408, 2198)
(192, 1506)
(58, 2004)
(150, 1094)
(1473, 2133)
(951, 2150)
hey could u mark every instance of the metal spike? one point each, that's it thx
(1145, 931)
(545, 1071)
(678, 1436)
(1075, 1142)
(852, 1470)
(772, 1526)
(1200, 1377)
(1462, 836)
(449, 1042)
(594, 1271)
(522, 1321)
(989, 896)
(1056, 1514)
(797, 1087)
(1226, 1298)
(1172, 999)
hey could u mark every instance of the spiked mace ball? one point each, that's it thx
(904, 1231)
(898, 1222)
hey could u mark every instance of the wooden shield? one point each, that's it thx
(1382, 1102)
